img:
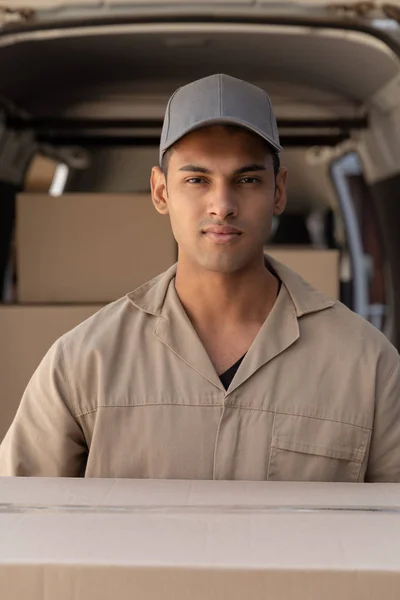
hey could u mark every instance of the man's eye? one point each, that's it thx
(194, 180)
(249, 180)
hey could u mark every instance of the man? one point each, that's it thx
(229, 365)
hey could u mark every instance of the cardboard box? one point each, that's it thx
(318, 267)
(40, 174)
(89, 247)
(27, 332)
(77, 539)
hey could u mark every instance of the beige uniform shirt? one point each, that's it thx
(131, 392)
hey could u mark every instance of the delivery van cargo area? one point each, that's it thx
(83, 91)
(77, 226)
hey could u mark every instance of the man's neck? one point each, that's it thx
(216, 298)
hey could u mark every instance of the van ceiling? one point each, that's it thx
(129, 72)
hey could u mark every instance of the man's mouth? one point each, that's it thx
(221, 234)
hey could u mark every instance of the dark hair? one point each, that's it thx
(275, 156)
(276, 161)
(165, 160)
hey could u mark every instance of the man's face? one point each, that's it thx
(221, 196)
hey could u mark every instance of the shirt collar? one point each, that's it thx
(150, 296)
(306, 299)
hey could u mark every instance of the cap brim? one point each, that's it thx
(223, 121)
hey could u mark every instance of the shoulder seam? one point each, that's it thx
(67, 376)
(385, 385)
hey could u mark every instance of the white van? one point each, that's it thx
(83, 89)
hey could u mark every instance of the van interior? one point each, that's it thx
(81, 109)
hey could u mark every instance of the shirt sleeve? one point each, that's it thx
(45, 440)
(384, 457)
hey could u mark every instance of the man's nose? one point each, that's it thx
(222, 203)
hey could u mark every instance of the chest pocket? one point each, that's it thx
(308, 449)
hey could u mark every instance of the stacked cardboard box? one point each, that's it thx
(77, 539)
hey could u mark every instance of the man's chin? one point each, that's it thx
(224, 267)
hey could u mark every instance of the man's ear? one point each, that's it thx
(280, 192)
(159, 193)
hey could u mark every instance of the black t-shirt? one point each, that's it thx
(226, 378)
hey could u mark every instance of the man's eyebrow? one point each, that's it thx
(246, 169)
(195, 169)
(250, 169)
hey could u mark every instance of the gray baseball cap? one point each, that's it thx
(216, 100)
